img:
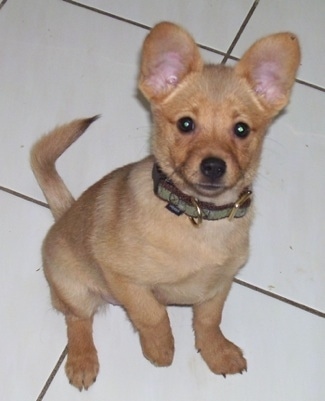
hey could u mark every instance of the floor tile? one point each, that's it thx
(287, 237)
(212, 23)
(32, 335)
(283, 346)
(70, 74)
(62, 62)
(307, 21)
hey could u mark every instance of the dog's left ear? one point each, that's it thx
(169, 55)
(270, 67)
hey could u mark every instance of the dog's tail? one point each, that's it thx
(43, 157)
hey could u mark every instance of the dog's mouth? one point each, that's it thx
(209, 189)
(210, 186)
(204, 188)
(209, 178)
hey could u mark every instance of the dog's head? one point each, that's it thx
(210, 120)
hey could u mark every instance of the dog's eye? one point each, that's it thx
(241, 130)
(186, 124)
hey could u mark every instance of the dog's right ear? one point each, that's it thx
(169, 55)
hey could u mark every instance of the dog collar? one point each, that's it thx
(180, 203)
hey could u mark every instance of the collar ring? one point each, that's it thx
(196, 221)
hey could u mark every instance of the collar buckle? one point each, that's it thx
(243, 198)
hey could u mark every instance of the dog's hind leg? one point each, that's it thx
(79, 307)
(82, 363)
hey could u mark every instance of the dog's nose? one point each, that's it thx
(213, 168)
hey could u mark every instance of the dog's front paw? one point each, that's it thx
(158, 347)
(222, 356)
(82, 369)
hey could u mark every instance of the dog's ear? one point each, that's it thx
(169, 55)
(270, 66)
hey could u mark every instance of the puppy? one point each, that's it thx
(173, 228)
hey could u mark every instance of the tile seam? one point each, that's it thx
(108, 14)
(240, 31)
(211, 49)
(226, 55)
(52, 374)
(2, 3)
(134, 23)
(22, 196)
(280, 298)
(310, 85)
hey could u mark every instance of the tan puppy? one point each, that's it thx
(119, 243)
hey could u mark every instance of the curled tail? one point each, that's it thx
(44, 154)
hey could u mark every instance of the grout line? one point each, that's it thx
(226, 56)
(211, 49)
(243, 26)
(132, 22)
(310, 85)
(52, 375)
(280, 298)
(25, 197)
(2, 3)
(102, 12)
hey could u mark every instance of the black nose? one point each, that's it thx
(213, 168)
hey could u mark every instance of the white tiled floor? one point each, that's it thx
(59, 61)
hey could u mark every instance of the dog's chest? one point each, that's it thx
(184, 253)
(185, 265)
(202, 261)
